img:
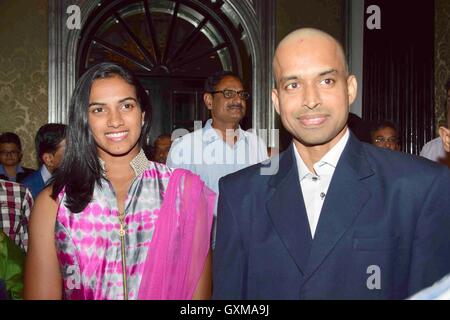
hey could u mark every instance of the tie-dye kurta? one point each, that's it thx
(89, 245)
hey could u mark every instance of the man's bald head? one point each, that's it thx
(313, 88)
(304, 37)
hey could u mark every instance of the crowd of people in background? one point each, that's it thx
(187, 224)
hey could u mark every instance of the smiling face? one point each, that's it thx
(226, 110)
(115, 117)
(313, 91)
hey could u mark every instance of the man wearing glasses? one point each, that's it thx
(385, 135)
(10, 157)
(221, 147)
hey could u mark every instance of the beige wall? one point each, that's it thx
(326, 15)
(23, 70)
(442, 56)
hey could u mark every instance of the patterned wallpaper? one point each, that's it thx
(24, 71)
(442, 56)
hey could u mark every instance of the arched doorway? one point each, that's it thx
(172, 46)
(253, 20)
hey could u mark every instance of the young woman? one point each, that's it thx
(114, 225)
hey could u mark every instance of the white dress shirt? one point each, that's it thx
(205, 153)
(45, 174)
(314, 186)
(434, 150)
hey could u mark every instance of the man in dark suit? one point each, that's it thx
(339, 219)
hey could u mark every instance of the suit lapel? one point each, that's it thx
(345, 198)
(287, 211)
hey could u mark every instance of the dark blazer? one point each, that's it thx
(35, 183)
(383, 232)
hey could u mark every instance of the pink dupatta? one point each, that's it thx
(181, 242)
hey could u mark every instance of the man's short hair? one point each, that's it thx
(381, 125)
(48, 137)
(213, 80)
(11, 137)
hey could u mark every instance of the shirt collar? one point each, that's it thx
(210, 134)
(45, 173)
(139, 163)
(331, 158)
(19, 169)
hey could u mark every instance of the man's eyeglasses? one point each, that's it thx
(12, 153)
(384, 140)
(230, 94)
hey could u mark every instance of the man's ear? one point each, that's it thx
(208, 100)
(352, 88)
(275, 100)
(445, 136)
(48, 160)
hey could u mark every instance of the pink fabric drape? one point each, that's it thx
(181, 242)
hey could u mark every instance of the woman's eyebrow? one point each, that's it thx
(128, 98)
(104, 104)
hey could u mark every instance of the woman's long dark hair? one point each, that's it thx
(81, 169)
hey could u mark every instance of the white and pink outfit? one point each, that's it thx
(168, 218)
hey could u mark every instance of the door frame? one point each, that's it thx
(257, 18)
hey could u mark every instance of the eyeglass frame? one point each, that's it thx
(12, 152)
(234, 93)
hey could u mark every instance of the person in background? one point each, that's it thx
(434, 150)
(16, 202)
(444, 132)
(161, 148)
(385, 135)
(10, 157)
(50, 145)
